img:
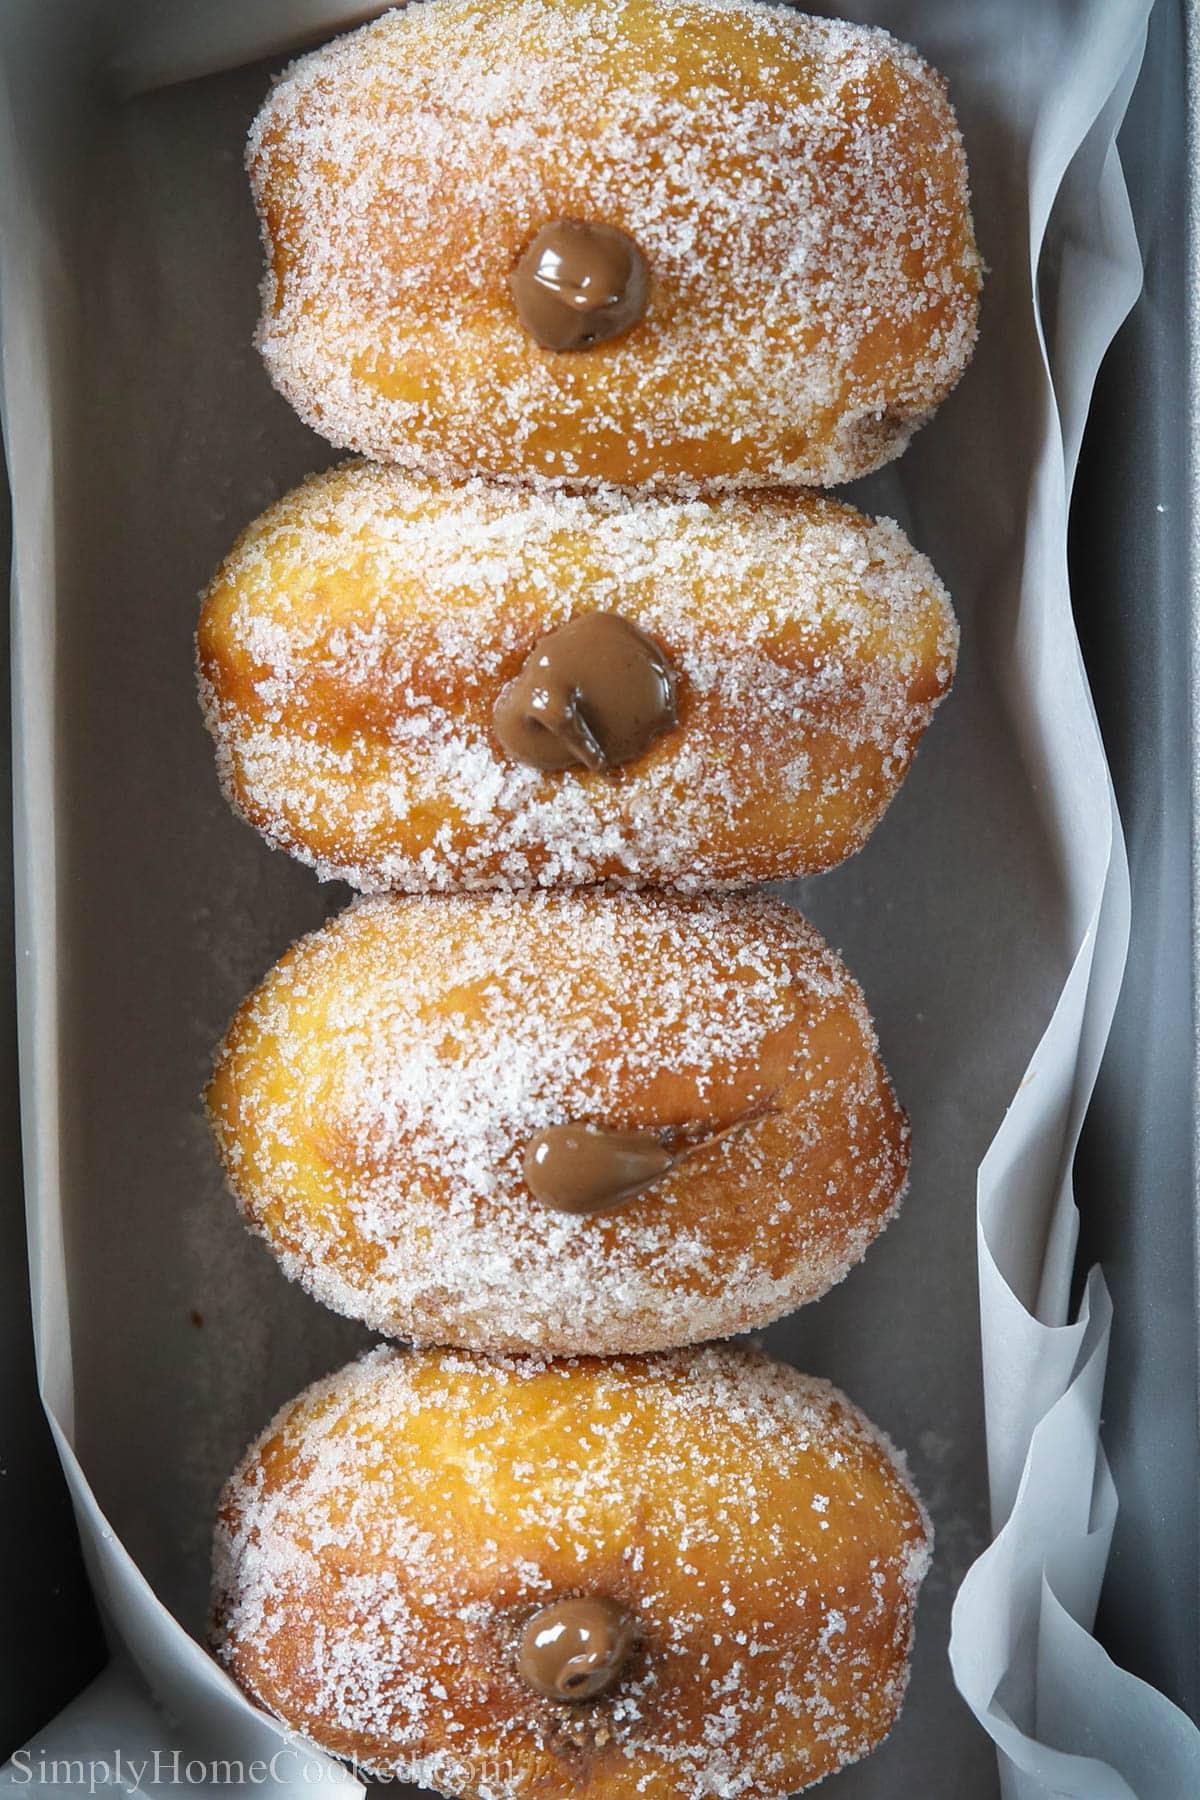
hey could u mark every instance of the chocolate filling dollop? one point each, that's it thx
(594, 693)
(590, 1168)
(575, 1649)
(585, 1169)
(579, 284)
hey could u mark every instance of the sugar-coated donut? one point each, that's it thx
(387, 1545)
(354, 644)
(376, 1102)
(788, 194)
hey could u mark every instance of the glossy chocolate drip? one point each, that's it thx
(579, 285)
(589, 1168)
(575, 1649)
(584, 1169)
(594, 694)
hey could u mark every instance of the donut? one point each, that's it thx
(659, 1578)
(770, 664)
(676, 243)
(570, 1123)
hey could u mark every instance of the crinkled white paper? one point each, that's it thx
(987, 918)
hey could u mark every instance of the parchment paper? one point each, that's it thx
(986, 919)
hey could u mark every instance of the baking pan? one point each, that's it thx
(1134, 578)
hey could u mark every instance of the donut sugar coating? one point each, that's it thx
(355, 642)
(386, 1541)
(375, 1098)
(796, 188)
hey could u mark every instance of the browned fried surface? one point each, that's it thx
(798, 187)
(354, 642)
(373, 1098)
(382, 1544)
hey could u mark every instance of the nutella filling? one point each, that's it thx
(575, 1649)
(590, 1168)
(579, 284)
(594, 693)
(584, 1169)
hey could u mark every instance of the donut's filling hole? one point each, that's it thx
(593, 694)
(592, 1168)
(580, 284)
(576, 1648)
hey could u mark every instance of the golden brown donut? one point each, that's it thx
(374, 1099)
(354, 643)
(386, 1544)
(797, 187)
